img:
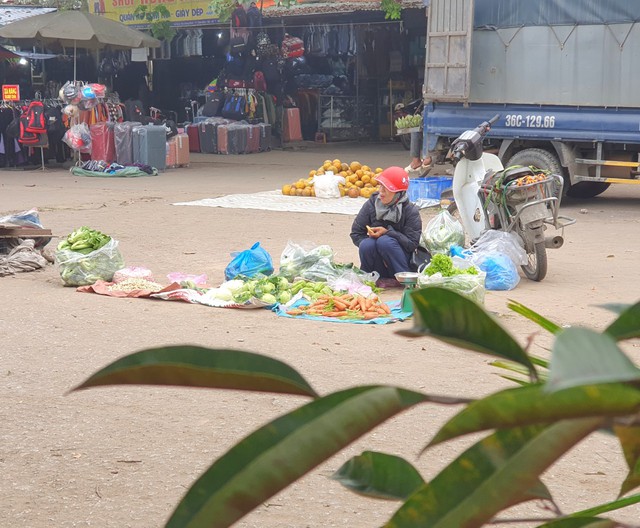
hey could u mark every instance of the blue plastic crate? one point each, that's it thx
(428, 187)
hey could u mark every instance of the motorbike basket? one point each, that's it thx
(518, 191)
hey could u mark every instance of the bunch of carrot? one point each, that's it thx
(346, 305)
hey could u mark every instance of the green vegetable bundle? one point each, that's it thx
(410, 121)
(87, 256)
(275, 288)
(84, 240)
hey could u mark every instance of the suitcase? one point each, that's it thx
(208, 138)
(103, 146)
(178, 151)
(172, 154)
(194, 138)
(123, 137)
(181, 142)
(222, 139)
(265, 136)
(237, 138)
(253, 139)
(150, 146)
(292, 130)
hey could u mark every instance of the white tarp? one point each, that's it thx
(276, 201)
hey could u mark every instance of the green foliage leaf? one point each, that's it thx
(533, 405)
(533, 316)
(519, 369)
(580, 522)
(492, 475)
(222, 9)
(453, 318)
(607, 507)
(584, 357)
(615, 307)
(379, 475)
(629, 436)
(277, 454)
(193, 366)
(392, 9)
(627, 325)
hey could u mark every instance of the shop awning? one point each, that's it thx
(10, 54)
(312, 7)
(10, 14)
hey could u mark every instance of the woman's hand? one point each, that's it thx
(376, 232)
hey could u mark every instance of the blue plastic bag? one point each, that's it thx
(502, 273)
(249, 263)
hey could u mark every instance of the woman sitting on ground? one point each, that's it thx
(387, 229)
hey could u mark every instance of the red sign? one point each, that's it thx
(10, 92)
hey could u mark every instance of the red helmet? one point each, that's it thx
(394, 179)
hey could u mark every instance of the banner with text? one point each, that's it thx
(182, 12)
(10, 92)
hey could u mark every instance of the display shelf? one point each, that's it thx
(402, 131)
(346, 117)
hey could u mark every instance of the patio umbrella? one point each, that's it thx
(77, 29)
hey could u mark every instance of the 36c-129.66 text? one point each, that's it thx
(530, 121)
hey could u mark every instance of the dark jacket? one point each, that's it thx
(406, 231)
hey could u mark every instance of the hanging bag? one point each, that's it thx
(36, 122)
(234, 107)
(239, 17)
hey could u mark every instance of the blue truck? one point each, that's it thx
(563, 75)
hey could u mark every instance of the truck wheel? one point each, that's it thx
(543, 159)
(587, 189)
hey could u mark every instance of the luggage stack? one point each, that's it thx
(208, 132)
(217, 135)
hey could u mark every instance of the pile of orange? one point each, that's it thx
(360, 180)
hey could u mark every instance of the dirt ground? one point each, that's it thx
(124, 456)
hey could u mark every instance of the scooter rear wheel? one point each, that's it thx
(405, 139)
(536, 269)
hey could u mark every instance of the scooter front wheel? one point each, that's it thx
(536, 268)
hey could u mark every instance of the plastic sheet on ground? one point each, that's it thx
(172, 292)
(396, 314)
(276, 201)
(102, 288)
(127, 172)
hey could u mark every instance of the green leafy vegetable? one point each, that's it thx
(84, 240)
(443, 264)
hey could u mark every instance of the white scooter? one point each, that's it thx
(524, 203)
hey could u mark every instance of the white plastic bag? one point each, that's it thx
(442, 232)
(326, 185)
(132, 272)
(298, 257)
(494, 241)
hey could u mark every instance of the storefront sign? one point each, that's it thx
(183, 12)
(10, 92)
